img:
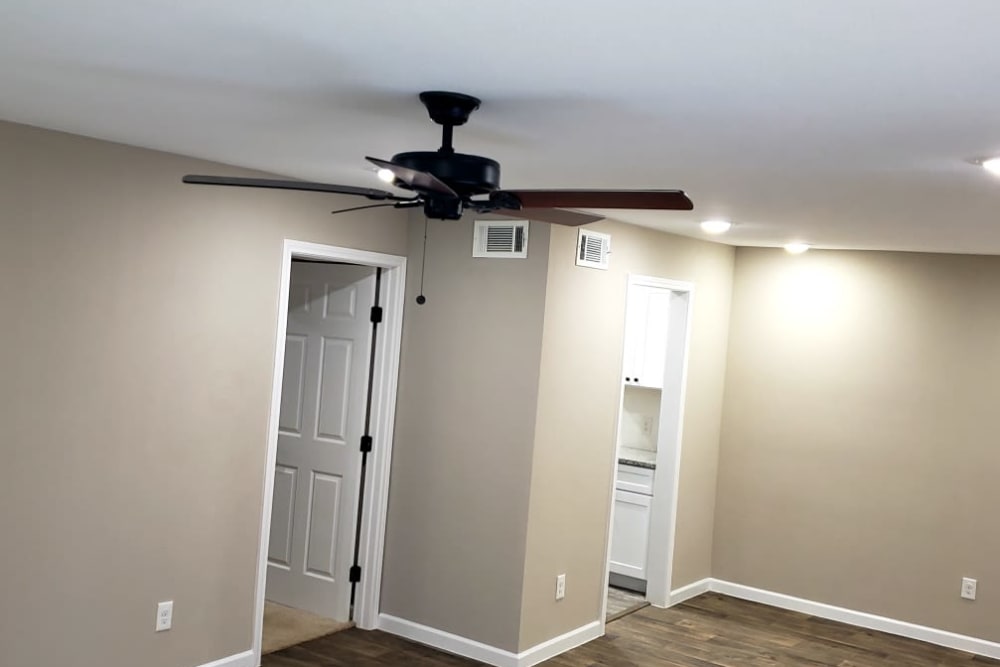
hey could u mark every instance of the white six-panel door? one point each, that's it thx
(323, 403)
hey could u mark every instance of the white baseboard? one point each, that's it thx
(685, 593)
(560, 644)
(491, 655)
(244, 659)
(446, 641)
(858, 618)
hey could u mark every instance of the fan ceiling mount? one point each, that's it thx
(447, 183)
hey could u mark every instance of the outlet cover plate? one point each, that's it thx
(164, 615)
(968, 588)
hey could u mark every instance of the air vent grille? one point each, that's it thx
(500, 239)
(592, 249)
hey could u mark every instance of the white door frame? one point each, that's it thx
(663, 514)
(384, 383)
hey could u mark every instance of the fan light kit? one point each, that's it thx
(716, 226)
(446, 184)
(796, 247)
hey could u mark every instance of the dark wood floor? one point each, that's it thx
(709, 631)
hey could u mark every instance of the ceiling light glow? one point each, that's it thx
(796, 247)
(716, 226)
(992, 165)
(386, 175)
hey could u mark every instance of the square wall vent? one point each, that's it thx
(504, 239)
(593, 249)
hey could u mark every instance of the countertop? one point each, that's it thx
(632, 456)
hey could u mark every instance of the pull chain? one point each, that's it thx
(421, 299)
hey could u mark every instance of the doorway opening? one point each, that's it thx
(329, 443)
(642, 519)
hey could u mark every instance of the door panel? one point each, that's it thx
(279, 548)
(334, 389)
(323, 403)
(321, 546)
(341, 303)
(290, 419)
(299, 298)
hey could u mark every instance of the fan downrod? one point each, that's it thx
(448, 110)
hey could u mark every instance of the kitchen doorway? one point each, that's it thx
(643, 515)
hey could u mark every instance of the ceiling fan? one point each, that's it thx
(446, 183)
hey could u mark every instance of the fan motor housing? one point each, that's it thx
(466, 174)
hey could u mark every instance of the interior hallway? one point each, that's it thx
(709, 630)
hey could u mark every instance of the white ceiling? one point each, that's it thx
(845, 123)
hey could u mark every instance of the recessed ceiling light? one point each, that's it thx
(796, 247)
(716, 226)
(992, 165)
(386, 175)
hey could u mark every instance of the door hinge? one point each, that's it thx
(366, 443)
(355, 575)
(376, 314)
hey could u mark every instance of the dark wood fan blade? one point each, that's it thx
(665, 200)
(556, 216)
(409, 203)
(307, 186)
(421, 181)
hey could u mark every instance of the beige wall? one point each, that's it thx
(859, 455)
(857, 465)
(136, 350)
(579, 390)
(458, 499)
(136, 355)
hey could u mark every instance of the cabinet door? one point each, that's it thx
(630, 534)
(654, 353)
(646, 317)
(635, 333)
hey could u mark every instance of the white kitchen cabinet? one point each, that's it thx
(630, 534)
(637, 479)
(647, 314)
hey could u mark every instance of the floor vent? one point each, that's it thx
(592, 249)
(504, 239)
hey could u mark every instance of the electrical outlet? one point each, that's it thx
(560, 586)
(968, 588)
(647, 425)
(164, 615)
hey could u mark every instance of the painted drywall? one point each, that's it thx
(578, 397)
(136, 353)
(465, 424)
(859, 459)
